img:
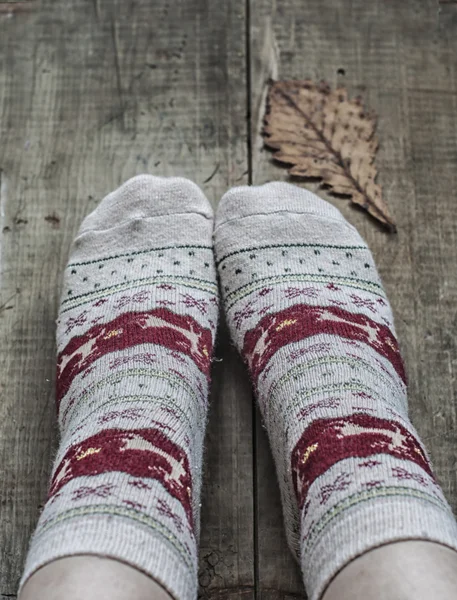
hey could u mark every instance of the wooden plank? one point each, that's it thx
(401, 58)
(91, 93)
(226, 547)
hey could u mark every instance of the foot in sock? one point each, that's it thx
(135, 335)
(308, 312)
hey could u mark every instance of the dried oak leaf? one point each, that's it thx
(325, 135)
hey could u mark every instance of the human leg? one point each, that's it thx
(134, 335)
(409, 570)
(308, 312)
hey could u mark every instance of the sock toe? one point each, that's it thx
(146, 196)
(273, 197)
(145, 212)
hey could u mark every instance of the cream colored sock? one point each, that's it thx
(135, 335)
(308, 312)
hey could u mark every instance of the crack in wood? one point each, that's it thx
(117, 66)
(97, 9)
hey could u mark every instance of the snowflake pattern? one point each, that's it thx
(405, 475)
(145, 358)
(352, 343)
(139, 297)
(338, 303)
(370, 463)
(177, 356)
(265, 309)
(165, 509)
(181, 376)
(243, 314)
(100, 302)
(369, 485)
(364, 396)
(341, 483)
(381, 366)
(199, 303)
(314, 349)
(134, 505)
(364, 303)
(100, 491)
(332, 287)
(76, 321)
(295, 292)
(165, 303)
(140, 485)
(264, 292)
(128, 413)
(325, 403)
(392, 412)
(368, 409)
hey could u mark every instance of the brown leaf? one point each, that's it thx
(325, 135)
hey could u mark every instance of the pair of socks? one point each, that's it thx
(135, 333)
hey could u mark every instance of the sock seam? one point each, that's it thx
(150, 218)
(292, 212)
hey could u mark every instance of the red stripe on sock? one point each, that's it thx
(328, 441)
(302, 321)
(146, 453)
(159, 326)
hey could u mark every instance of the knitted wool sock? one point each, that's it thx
(307, 310)
(135, 335)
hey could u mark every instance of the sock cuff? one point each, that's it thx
(367, 527)
(151, 552)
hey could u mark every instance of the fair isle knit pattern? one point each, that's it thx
(135, 335)
(308, 312)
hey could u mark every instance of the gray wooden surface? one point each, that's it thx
(95, 91)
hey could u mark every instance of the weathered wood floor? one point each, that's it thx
(95, 91)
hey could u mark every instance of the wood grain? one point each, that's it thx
(401, 58)
(91, 93)
(95, 91)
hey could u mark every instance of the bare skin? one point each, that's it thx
(411, 570)
(91, 578)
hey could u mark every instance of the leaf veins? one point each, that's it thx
(327, 136)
